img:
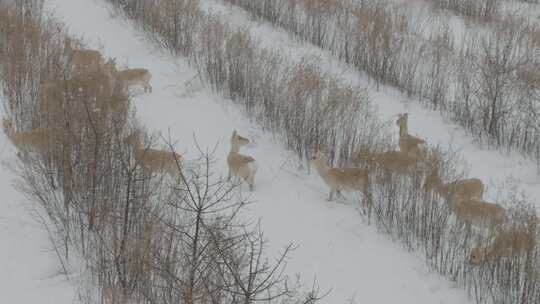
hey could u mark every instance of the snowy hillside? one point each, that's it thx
(336, 246)
(29, 267)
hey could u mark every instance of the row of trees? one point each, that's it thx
(479, 11)
(486, 81)
(143, 236)
(308, 109)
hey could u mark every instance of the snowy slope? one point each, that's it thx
(493, 167)
(29, 269)
(334, 244)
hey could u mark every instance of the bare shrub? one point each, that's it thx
(313, 111)
(140, 233)
(389, 44)
(477, 10)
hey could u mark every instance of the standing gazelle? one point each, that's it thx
(154, 160)
(457, 190)
(240, 165)
(338, 179)
(476, 212)
(391, 161)
(505, 244)
(85, 60)
(131, 77)
(409, 144)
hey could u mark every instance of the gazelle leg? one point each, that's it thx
(251, 183)
(330, 195)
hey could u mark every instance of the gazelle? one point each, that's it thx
(505, 244)
(240, 165)
(391, 161)
(476, 212)
(341, 179)
(456, 190)
(36, 140)
(131, 77)
(151, 159)
(409, 144)
(85, 60)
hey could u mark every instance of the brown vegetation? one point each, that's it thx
(141, 239)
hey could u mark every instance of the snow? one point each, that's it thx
(491, 166)
(29, 269)
(335, 245)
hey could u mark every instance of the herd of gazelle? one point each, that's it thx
(464, 197)
(89, 69)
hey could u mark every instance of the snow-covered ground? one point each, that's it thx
(29, 269)
(335, 245)
(493, 167)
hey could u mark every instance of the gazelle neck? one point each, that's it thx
(403, 128)
(235, 148)
(321, 166)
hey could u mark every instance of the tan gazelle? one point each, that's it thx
(37, 140)
(241, 166)
(409, 144)
(476, 212)
(340, 179)
(505, 244)
(131, 77)
(85, 60)
(391, 161)
(456, 190)
(151, 159)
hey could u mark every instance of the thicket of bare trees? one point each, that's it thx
(480, 10)
(143, 236)
(309, 109)
(394, 48)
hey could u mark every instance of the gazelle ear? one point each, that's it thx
(234, 133)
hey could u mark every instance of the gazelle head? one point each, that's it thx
(402, 119)
(238, 141)
(319, 161)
